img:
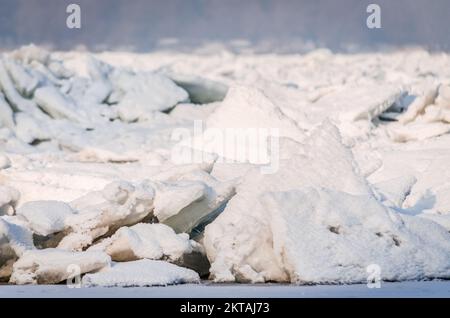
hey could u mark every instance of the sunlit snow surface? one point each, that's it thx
(359, 176)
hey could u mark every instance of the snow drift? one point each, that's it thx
(92, 178)
(317, 221)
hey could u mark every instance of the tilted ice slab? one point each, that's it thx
(201, 90)
(63, 180)
(6, 114)
(144, 93)
(51, 266)
(264, 113)
(14, 241)
(248, 242)
(57, 105)
(156, 242)
(102, 212)
(351, 103)
(16, 101)
(45, 217)
(141, 273)
(233, 136)
(151, 241)
(352, 107)
(25, 82)
(426, 117)
(185, 203)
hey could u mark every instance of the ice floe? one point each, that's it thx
(154, 242)
(45, 217)
(295, 168)
(140, 274)
(314, 202)
(100, 213)
(51, 266)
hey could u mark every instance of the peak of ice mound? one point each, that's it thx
(142, 273)
(29, 53)
(244, 241)
(245, 127)
(247, 107)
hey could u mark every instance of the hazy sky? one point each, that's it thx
(140, 24)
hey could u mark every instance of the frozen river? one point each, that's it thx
(405, 289)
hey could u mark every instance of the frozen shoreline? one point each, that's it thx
(314, 168)
(430, 289)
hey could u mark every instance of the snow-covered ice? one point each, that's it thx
(150, 241)
(141, 273)
(14, 241)
(267, 232)
(45, 217)
(100, 213)
(92, 167)
(51, 266)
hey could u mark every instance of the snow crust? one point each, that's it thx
(45, 217)
(91, 167)
(52, 266)
(141, 273)
(318, 221)
(117, 205)
(150, 241)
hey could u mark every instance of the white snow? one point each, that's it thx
(185, 203)
(141, 273)
(8, 200)
(357, 145)
(51, 266)
(45, 217)
(144, 93)
(6, 114)
(119, 204)
(55, 104)
(150, 241)
(341, 235)
(317, 220)
(14, 241)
